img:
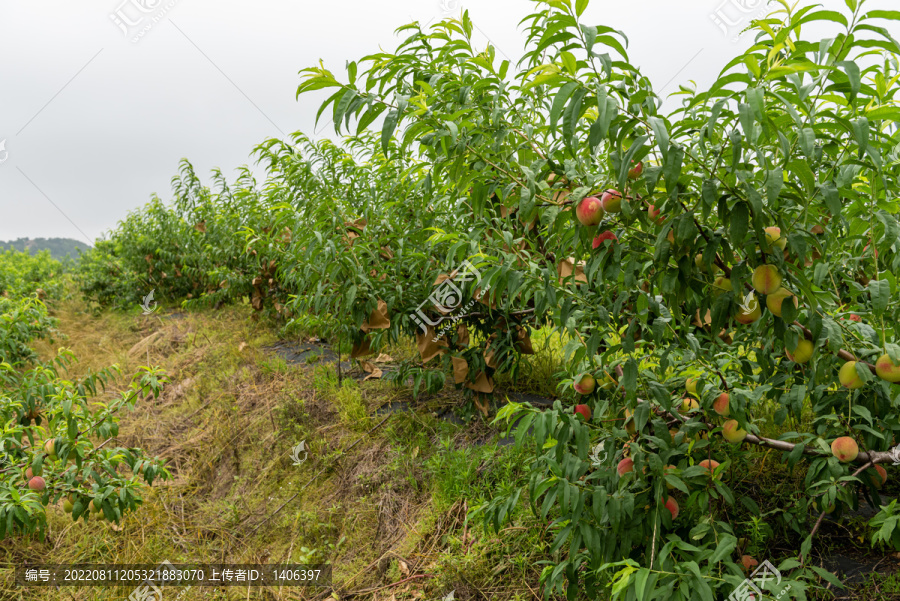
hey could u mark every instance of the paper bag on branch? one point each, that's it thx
(460, 370)
(567, 267)
(378, 319)
(462, 335)
(482, 383)
(523, 341)
(429, 349)
(361, 348)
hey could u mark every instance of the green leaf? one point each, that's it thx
(832, 198)
(861, 133)
(629, 379)
(580, 6)
(559, 102)
(726, 547)
(387, 130)
(569, 62)
(740, 223)
(662, 135)
(880, 290)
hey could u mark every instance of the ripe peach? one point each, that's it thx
(691, 385)
(37, 483)
(611, 201)
(749, 311)
(766, 279)
(625, 466)
(720, 405)
(709, 464)
(584, 411)
(589, 211)
(585, 384)
(603, 237)
(803, 353)
(636, 171)
(845, 449)
(721, 285)
(688, 404)
(886, 369)
(880, 476)
(848, 376)
(672, 506)
(774, 237)
(654, 214)
(732, 432)
(775, 300)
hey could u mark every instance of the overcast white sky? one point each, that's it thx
(94, 123)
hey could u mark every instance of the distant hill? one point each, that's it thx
(59, 247)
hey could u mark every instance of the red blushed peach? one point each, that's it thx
(603, 237)
(720, 405)
(845, 449)
(776, 300)
(590, 211)
(848, 376)
(672, 506)
(585, 384)
(709, 464)
(611, 201)
(654, 214)
(774, 237)
(766, 279)
(732, 432)
(886, 369)
(688, 404)
(584, 411)
(625, 466)
(636, 171)
(749, 311)
(881, 476)
(37, 483)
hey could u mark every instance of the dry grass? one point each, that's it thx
(226, 424)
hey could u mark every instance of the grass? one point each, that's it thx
(393, 504)
(380, 500)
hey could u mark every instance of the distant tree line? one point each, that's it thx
(59, 247)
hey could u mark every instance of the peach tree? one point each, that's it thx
(723, 273)
(55, 432)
